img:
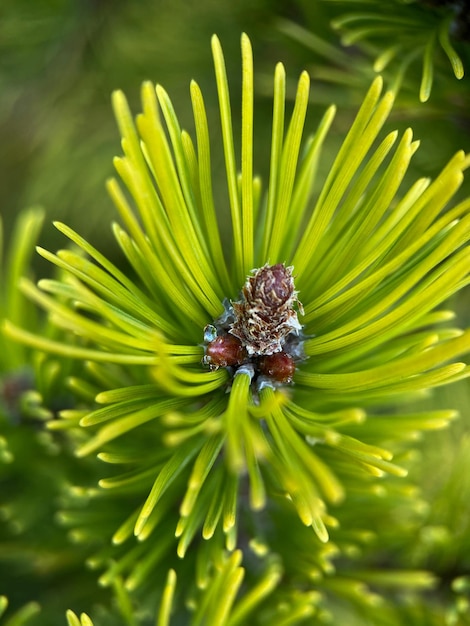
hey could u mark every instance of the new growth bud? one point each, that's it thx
(261, 329)
(265, 315)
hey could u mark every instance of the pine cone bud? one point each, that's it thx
(265, 316)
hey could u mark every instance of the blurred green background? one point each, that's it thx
(61, 59)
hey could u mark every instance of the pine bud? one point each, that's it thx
(265, 315)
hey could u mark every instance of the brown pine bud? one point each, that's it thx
(279, 366)
(265, 316)
(271, 285)
(224, 351)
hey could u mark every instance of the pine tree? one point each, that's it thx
(225, 422)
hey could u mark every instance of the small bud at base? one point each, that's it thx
(279, 366)
(224, 351)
